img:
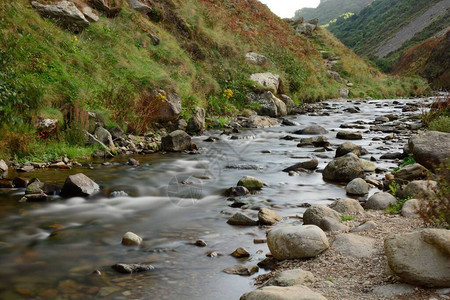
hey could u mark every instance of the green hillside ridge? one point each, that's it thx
(329, 10)
(375, 24)
(111, 66)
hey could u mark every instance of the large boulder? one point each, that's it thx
(347, 207)
(269, 105)
(176, 141)
(79, 185)
(65, 13)
(256, 58)
(348, 147)
(296, 292)
(241, 220)
(295, 242)
(357, 186)
(267, 80)
(105, 137)
(380, 201)
(421, 188)
(166, 107)
(251, 183)
(140, 7)
(324, 217)
(344, 169)
(410, 208)
(430, 149)
(3, 168)
(411, 172)
(101, 5)
(421, 257)
(350, 244)
(306, 28)
(291, 278)
(288, 102)
(196, 124)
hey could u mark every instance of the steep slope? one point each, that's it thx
(330, 10)
(116, 66)
(431, 59)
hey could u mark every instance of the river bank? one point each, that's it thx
(176, 199)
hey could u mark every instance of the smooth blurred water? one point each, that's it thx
(174, 199)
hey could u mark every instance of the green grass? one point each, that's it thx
(347, 218)
(441, 123)
(406, 161)
(111, 65)
(397, 207)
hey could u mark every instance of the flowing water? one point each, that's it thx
(49, 250)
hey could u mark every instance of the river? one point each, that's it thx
(49, 250)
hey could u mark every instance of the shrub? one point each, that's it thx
(435, 210)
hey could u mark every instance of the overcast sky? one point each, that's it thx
(287, 8)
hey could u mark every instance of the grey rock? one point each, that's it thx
(105, 137)
(176, 141)
(348, 147)
(241, 219)
(90, 15)
(256, 121)
(196, 124)
(140, 7)
(291, 278)
(349, 135)
(421, 188)
(411, 172)
(296, 292)
(343, 93)
(431, 148)
(317, 213)
(380, 201)
(132, 268)
(79, 185)
(358, 187)
(369, 225)
(306, 28)
(313, 129)
(268, 217)
(242, 270)
(307, 165)
(394, 155)
(347, 207)
(295, 242)
(268, 80)
(237, 191)
(269, 105)
(251, 183)
(421, 257)
(117, 194)
(65, 13)
(289, 103)
(240, 253)
(409, 209)
(131, 239)
(315, 141)
(393, 290)
(350, 244)
(256, 58)
(344, 169)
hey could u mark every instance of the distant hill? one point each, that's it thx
(385, 30)
(431, 59)
(329, 10)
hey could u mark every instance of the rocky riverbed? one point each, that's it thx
(173, 220)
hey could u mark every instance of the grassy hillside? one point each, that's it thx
(431, 59)
(330, 10)
(365, 31)
(112, 65)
